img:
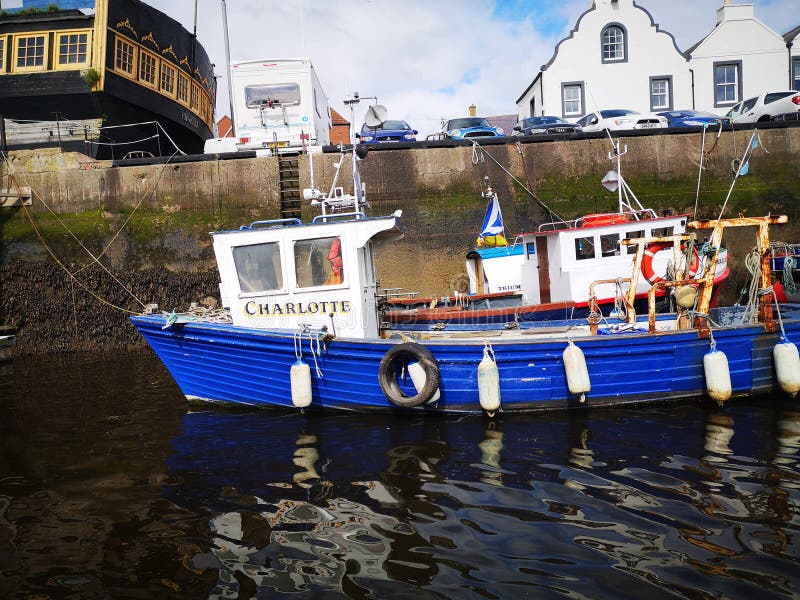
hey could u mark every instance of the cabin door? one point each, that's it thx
(544, 269)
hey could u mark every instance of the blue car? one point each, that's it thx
(693, 118)
(469, 127)
(388, 131)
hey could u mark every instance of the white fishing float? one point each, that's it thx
(578, 380)
(489, 382)
(787, 366)
(718, 374)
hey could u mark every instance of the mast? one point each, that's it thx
(228, 61)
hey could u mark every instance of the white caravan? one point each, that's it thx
(276, 103)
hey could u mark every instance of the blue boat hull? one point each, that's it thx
(239, 366)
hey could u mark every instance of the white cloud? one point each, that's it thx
(423, 59)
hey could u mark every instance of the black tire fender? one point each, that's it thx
(388, 370)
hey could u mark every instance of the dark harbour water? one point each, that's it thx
(109, 488)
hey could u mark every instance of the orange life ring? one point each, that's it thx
(652, 250)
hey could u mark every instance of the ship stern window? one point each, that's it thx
(147, 69)
(279, 94)
(258, 267)
(318, 262)
(2, 55)
(73, 49)
(183, 88)
(167, 79)
(30, 52)
(124, 57)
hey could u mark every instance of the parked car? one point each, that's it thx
(620, 118)
(388, 131)
(765, 106)
(469, 127)
(544, 124)
(693, 118)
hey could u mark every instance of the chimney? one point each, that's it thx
(735, 12)
(473, 110)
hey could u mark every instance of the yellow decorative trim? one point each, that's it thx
(185, 61)
(149, 38)
(127, 24)
(169, 50)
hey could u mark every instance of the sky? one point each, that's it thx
(424, 60)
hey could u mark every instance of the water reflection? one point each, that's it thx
(111, 489)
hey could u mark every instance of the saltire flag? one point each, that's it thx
(492, 231)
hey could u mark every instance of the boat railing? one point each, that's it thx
(633, 215)
(358, 215)
(271, 223)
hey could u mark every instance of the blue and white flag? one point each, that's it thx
(745, 169)
(493, 221)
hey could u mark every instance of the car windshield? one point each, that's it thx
(534, 121)
(619, 112)
(387, 126)
(467, 122)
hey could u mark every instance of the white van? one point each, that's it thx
(276, 102)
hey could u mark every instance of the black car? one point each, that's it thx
(539, 125)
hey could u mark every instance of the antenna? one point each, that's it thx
(376, 115)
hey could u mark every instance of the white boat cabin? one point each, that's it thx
(562, 259)
(286, 274)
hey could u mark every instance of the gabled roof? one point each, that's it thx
(790, 35)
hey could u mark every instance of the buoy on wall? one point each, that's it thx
(418, 378)
(577, 372)
(787, 366)
(489, 382)
(718, 375)
(300, 379)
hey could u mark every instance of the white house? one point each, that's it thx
(740, 58)
(616, 56)
(792, 39)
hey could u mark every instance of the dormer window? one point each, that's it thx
(614, 44)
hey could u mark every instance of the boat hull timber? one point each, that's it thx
(232, 365)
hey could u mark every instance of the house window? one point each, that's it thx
(660, 93)
(124, 57)
(258, 267)
(727, 83)
(30, 53)
(318, 262)
(614, 45)
(183, 88)
(167, 79)
(795, 73)
(72, 48)
(572, 99)
(533, 106)
(147, 69)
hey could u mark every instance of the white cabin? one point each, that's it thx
(285, 274)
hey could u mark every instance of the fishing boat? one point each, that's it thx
(546, 274)
(303, 330)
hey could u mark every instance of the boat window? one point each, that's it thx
(530, 248)
(632, 235)
(609, 244)
(318, 262)
(584, 248)
(662, 232)
(259, 267)
(276, 94)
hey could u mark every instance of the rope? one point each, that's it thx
(478, 154)
(752, 262)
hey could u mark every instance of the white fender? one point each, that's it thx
(577, 372)
(488, 384)
(718, 375)
(300, 379)
(417, 373)
(787, 366)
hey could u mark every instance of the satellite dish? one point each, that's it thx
(375, 116)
